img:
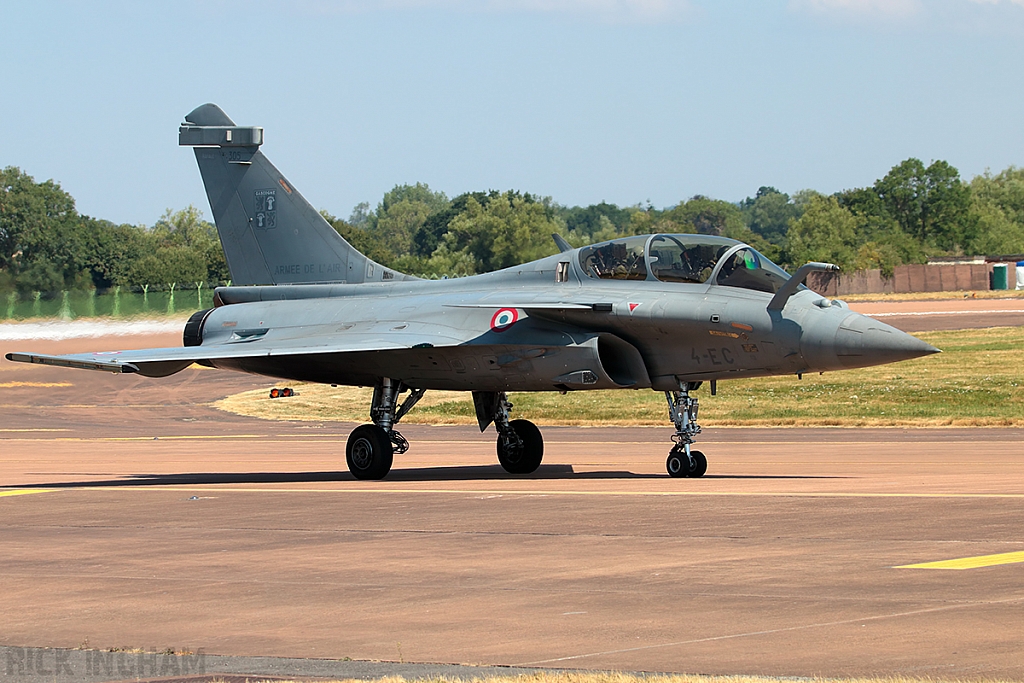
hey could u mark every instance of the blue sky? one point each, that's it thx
(584, 100)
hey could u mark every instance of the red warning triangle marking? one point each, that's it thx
(632, 307)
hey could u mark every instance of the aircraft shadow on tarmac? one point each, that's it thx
(464, 473)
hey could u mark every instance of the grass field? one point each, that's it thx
(116, 305)
(978, 380)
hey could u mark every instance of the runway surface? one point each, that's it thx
(134, 516)
(944, 314)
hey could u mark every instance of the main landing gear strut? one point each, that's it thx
(682, 410)
(371, 447)
(520, 444)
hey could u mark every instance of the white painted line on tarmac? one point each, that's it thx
(58, 330)
(749, 634)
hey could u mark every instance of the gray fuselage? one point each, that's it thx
(581, 333)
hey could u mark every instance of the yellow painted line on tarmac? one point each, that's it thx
(22, 492)
(37, 385)
(220, 487)
(970, 562)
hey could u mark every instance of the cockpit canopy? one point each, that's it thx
(694, 259)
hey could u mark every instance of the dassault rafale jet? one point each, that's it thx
(664, 312)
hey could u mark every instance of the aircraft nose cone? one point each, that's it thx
(861, 341)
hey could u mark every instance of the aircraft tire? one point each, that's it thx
(700, 464)
(369, 452)
(528, 458)
(676, 464)
(679, 466)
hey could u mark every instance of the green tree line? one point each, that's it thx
(47, 246)
(914, 212)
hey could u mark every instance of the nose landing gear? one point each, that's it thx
(682, 410)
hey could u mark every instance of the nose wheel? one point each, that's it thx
(682, 409)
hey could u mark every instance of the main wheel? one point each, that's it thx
(526, 458)
(678, 465)
(369, 452)
(700, 464)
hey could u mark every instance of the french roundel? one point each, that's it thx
(504, 319)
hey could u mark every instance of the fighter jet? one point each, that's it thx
(664, 312)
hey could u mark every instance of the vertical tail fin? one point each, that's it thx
(270, 233)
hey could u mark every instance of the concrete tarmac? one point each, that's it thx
(944, 314)
(135, 516)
